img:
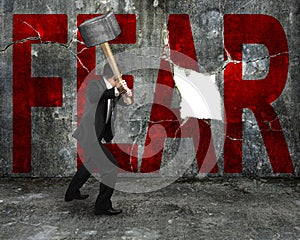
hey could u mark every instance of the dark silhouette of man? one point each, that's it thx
(97, 124)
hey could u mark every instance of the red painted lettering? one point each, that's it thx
(32, 91)
(256, 95)
(181, 40)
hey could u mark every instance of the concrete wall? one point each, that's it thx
(53, 150)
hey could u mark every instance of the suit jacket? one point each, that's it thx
(92, 126)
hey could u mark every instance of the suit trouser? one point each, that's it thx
(108, 177)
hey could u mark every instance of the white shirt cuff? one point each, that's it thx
(116, 92)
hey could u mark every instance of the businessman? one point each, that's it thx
(96, 125)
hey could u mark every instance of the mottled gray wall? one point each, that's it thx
(54, 149)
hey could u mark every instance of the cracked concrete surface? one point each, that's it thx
(207, 209)
(206, 19)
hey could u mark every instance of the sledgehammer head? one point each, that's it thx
(100, 29)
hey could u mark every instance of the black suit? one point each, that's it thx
(92, 129)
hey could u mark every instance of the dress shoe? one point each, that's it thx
(110, 211)
(78, 196)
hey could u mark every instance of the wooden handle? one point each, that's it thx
(114, 67)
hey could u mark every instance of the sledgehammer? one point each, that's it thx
(100, 30)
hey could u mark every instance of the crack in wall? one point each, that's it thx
(266, 57)
(266, 122)
(234, 139)
(103, 6)
(269, 123)
(39, 38)
(231, 60)
(18, 41)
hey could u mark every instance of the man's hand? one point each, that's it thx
(123, 88)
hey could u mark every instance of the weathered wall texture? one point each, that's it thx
(53, 150)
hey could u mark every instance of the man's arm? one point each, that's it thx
(95, 91)
(123, 90)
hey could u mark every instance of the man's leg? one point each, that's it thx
(103, 201)
(81, 176)
(108, 179)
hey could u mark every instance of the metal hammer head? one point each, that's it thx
(100, 29)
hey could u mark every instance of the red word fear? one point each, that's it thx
(257, 96)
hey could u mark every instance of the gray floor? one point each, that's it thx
(207, 209)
